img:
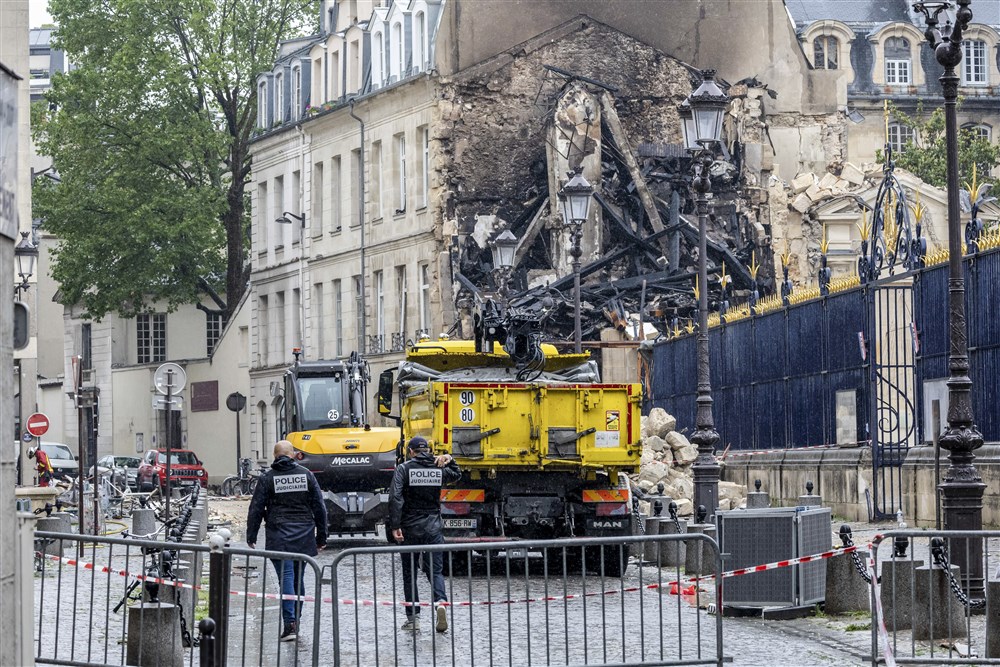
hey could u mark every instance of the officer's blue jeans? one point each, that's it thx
(432, 564)
(290, 579)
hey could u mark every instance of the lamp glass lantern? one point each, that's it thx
(575, 198)
(25, 254)
(503, 250)
(707, 106)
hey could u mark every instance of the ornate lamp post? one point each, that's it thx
(503, 247)
(702, 124)
(575, 200)
(25, 254)
(962, 489)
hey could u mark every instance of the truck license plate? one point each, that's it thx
(460, 523)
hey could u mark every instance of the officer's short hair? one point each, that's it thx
(418, 444)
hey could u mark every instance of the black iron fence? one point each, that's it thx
(809, 374)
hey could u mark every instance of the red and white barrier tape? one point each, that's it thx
(674, 587)
(883, 633)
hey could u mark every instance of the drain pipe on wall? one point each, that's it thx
(361, 221)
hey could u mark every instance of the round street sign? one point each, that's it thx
(178, 380)
(37, 424)
(236, 401)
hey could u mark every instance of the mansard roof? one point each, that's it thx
(804, 12)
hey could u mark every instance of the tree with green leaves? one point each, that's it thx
(149, 135)
(926, 155)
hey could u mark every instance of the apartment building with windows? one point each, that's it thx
(884, 54)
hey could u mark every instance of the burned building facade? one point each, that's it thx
(396, 144)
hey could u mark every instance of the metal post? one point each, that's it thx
(962, 488)
(218, 598)
(239, 454)
(705, 468)
(575, 252)
(169, 435)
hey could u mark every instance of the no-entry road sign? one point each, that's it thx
(37, 424)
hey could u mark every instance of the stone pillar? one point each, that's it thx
(154, 636)
(937, 614)
(143, 522)
(700, 558)
(810, 499)
(52, 524)
(846, 589)
(758, 499)
(898, 592)
(674, 552)
(993, 619)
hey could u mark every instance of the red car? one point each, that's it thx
(185, 469)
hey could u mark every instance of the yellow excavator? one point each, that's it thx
(324, 416)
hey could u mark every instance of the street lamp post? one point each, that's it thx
(575, 201)
(962, 489)
(25, 254)
(286, 219)
(502, 248)
(702, 115)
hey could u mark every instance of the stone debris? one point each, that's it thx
(667, 455)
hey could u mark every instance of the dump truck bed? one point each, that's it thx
(530, 425)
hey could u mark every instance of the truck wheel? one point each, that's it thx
(557, 564)
(456, 563)
(615, 559)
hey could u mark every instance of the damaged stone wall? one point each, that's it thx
(494, 118)
(495, 163)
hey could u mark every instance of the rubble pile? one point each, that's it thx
(667, 456)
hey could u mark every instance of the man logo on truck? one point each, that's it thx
(425, 477)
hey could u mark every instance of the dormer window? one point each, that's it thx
(378, 59)
(420, 41)
(897, 62)
(279, 98)
(398, 50)
(262, 104)
(974, 63)
(296, 94)
(825, 50)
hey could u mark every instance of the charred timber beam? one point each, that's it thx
(651, 251)
(739, 272)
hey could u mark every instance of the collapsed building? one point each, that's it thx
(407, 136)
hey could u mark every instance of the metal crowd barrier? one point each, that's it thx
(94, 603)
(936, 599)
(532, 602)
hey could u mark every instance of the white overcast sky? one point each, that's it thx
(38, 13)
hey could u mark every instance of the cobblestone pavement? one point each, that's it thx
(647, 624)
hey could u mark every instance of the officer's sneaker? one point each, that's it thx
(290, 633)
(441, 617)
(412, 624)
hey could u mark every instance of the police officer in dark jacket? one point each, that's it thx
(288, 499)
(415, 518)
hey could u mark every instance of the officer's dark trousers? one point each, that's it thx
(290, 581)
(430, 563)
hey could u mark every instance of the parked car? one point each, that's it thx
(185, 469)
(123, 470)
(62, 458)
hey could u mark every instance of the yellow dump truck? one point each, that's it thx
(543, 446)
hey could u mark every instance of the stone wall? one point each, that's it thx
(841, 477)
